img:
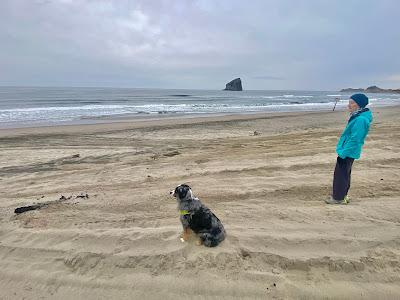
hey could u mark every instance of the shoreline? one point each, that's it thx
(132, 123)
(139, 118)
(120, 123)
(47, 108)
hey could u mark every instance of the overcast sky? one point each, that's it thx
(200, 44)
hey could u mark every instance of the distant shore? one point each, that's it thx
(370, 89)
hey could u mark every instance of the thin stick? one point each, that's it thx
(337, 99)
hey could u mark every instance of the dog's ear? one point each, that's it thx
(182, 191)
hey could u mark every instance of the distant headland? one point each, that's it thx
(371, 89)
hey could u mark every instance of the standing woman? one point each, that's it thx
(349, 147)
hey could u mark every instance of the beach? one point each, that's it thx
(265, 175)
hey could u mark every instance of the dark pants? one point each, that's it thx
(342, 177)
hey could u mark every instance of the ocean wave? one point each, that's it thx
(62, 108)
(109, 110)
(297, 96)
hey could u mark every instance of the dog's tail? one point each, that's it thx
(212, 239)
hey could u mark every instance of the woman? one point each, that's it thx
(349, 147)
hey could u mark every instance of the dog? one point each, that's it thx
(198, 218)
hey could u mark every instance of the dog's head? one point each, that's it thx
(182, 192)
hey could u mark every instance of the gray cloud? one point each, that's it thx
(200, 44)
(267, 77)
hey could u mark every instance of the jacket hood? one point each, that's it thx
(366, 114)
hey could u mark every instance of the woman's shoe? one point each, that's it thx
(330, 200)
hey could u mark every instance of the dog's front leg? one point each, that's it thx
(186, 229)
(185, 234)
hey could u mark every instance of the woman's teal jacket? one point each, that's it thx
(353, 136)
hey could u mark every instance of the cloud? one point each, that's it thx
(394, 78)
(391, 81)
(267, 77)
(198, 43)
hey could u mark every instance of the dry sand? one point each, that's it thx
(268, 189)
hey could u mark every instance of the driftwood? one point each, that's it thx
(22, 209)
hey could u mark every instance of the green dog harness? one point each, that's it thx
(183, 212)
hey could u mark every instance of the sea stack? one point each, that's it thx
(234, 85)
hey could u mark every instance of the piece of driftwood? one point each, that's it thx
(22, 209)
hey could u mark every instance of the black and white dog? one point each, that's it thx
(195, 216)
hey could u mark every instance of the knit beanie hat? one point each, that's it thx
(360, 99)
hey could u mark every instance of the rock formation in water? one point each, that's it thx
(234, 85)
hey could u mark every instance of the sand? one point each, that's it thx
(268, 189)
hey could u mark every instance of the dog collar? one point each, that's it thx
(183, 212)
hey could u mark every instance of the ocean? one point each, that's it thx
(49, 106)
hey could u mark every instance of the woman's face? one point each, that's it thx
(352, 106)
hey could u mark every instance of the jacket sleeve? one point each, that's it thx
(355, 139)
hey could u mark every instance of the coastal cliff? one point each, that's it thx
(370, 89)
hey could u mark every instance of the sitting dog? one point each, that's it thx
(195, 216)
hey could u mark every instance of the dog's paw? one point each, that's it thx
(199, 242)
(182, 240)
(185, 235)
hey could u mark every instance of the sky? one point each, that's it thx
(200, 44)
